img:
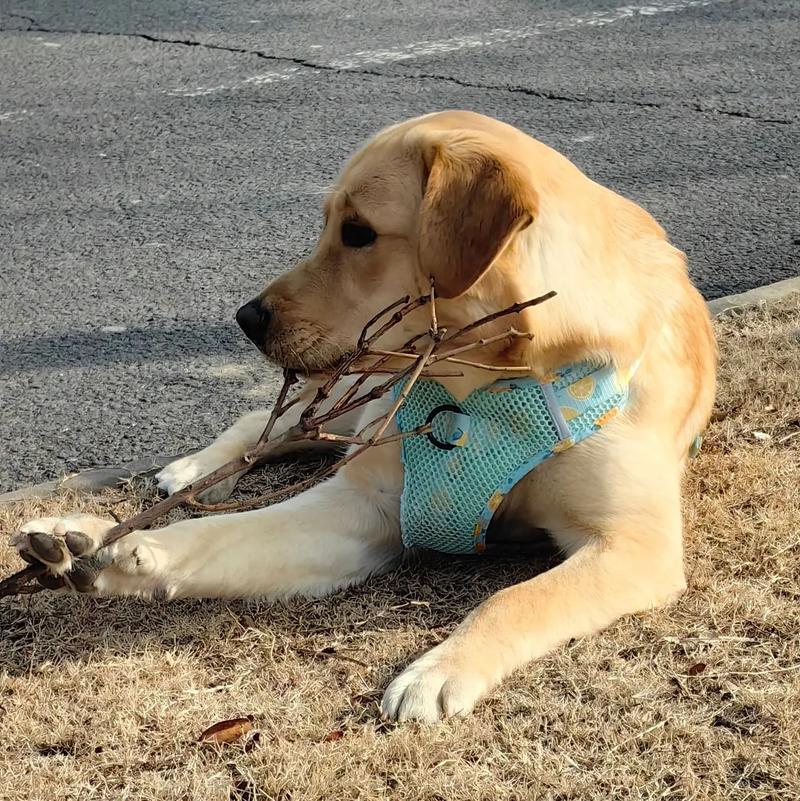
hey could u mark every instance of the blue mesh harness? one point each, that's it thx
(457, 475)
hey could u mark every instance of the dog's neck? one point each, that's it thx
(608, 320)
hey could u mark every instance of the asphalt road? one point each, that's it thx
(159, 163)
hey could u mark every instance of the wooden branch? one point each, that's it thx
(365, 340)
(364, 331)
(253, 457)
(425, 373)
(311, 422)
(370, 395)
(435, 334)
(425, 428)
(270, 497)
(492, 368)
(393, 354)
(396, 318)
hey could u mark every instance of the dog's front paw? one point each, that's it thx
(188, 469)
(435, 686)
(65, 546)
(71, 549)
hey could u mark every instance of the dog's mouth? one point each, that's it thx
(309, 353)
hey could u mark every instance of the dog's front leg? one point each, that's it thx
(243, 435)
(635, 567)
(333, 535)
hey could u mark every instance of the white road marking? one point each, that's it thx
(13, 116)
(496, 36)
(271, 77)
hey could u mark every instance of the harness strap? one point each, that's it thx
(560, 422)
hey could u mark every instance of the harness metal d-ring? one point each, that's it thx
(445, 407)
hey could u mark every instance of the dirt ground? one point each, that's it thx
(106, 699)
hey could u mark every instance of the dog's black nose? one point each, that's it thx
(253, 319)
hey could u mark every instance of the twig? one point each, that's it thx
(492, 368)
(514, 308)
(281, 407)
(435, 334)
(639, 735)
(275, 495)
(148, 516)
(481, 343)
(364, 331)
(17, 584)
(403, 394)
(426, 428)
(412, 374)
(365, 340)
(425, 373)
(270, 497)
(396, 318)
(514, 368)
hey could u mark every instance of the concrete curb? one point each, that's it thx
(94, 480)
(98, 479)
(766, 293)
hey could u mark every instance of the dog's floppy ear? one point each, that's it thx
(473, 205)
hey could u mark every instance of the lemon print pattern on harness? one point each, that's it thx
(478, 449)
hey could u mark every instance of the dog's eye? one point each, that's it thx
(356, 235)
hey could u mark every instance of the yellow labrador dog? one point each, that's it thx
(494, 217)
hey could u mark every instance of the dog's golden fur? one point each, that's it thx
(495, 217)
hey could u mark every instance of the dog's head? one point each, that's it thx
(438, 197)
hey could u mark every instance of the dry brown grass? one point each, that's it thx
(105, 699)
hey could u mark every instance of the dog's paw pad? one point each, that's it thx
(78, 543)
(46, 547)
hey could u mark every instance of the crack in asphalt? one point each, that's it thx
(312, 65)
(741, 114)
(591, 100)
(36, 28)
(526, 91)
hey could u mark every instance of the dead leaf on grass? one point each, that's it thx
(227, 731)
